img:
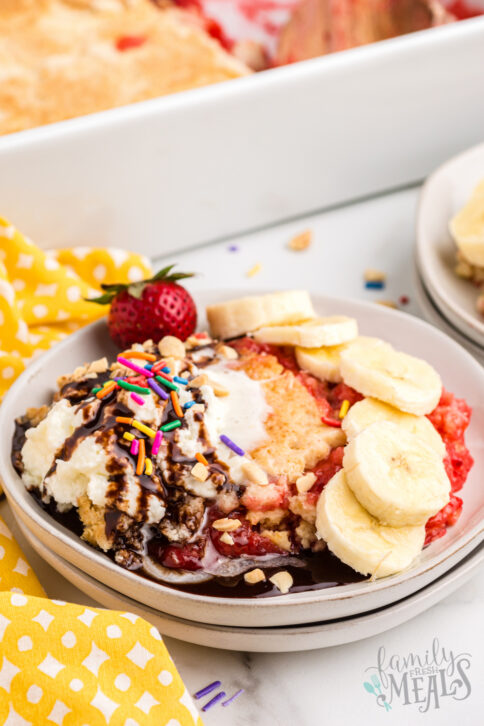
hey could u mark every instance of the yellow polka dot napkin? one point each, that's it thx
(61, 663)
(73, 665)
(42, 294)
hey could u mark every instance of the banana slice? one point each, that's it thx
(395, 476)
(358, 539)
(324, 363)
(375, 369)
(311, 334)
(363, 413)
(467, 227)
(321, 362)
(236, 317)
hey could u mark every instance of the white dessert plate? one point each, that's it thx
(443, 194)
(277, 639)
(460, 373)
(433, 315)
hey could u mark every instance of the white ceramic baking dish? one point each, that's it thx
(177, 171)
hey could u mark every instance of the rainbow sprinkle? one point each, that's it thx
(162, 394)
(131, 387)
(178, 379)
(134, 447)
(188, 405)
(344, 408)
(166, 369)
(128, 436)
(170, 426)
(214, 700)
(228, 442)
(96, 390)
(176, 404)
(155, 446)
(140, 464)
(127, 363)
(168, 384)
(144, 429)
(232, 698)
(137, 399)
(331, 422)
(148, 467)
(138, 354)
(207, 689)
(200, 457)
(106, 390)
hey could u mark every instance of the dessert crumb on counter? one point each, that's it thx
(301, 241)
(282, 580)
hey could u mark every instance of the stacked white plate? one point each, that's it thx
(447, 300)
(294, 621)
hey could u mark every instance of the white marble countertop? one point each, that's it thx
(322, 687)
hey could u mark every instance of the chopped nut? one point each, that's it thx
(198, 381)
(254, 576)
(306, 533)
(218, 389)
(282, 580)
(227, 539)
(254, 473)
(254, 270)
(279, 537)
(387, 303)
(372, 275)
(198, 408)
(227, 352)
(200, 472)
(226, 525)
(194, 341)
(301, 241)
(171, 346)
(99, 366)
(305, 482)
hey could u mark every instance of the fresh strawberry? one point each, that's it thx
(149, 309)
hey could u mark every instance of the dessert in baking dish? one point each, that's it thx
(286, 453)
(66, 58)
(317, 27)
(467, 230)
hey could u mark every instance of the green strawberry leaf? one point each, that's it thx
(135, 289)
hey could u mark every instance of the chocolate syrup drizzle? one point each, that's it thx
(318, 571)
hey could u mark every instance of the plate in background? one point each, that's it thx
(443, 194)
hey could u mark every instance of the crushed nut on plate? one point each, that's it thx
(254, 576)
(227, 539)
(227, 352)
(171, 346)
(226, 525)
(218, 389)
(282, 580)
(198, 381)
(305, 482)
(200, 472)
(254, 473)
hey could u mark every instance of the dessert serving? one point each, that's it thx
(273, 453)
(467, 230)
